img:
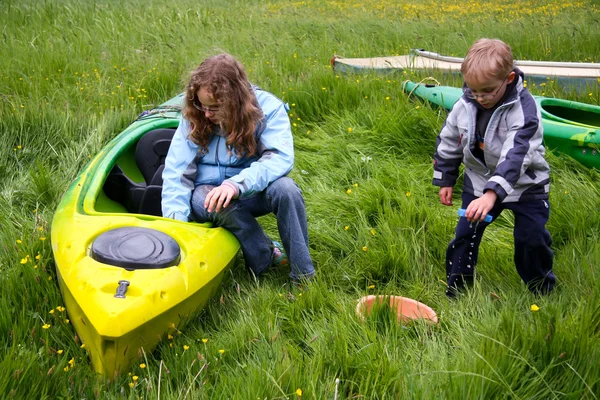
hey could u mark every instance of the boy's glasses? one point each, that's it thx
(198, 106)
(484, 96)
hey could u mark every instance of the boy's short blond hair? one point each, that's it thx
(488, 58)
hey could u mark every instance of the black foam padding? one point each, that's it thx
(136, 248)
(152, 150)
(151, 201)
(118, 187)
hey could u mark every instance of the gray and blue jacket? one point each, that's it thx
(186, 167)
(513, 163)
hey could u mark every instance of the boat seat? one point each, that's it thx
(150, 155)
(144, 197)
(134, 247)
(120, 188)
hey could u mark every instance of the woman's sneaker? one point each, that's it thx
(278, 258)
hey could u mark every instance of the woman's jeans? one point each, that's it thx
(283, 198)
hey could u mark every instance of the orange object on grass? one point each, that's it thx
(407, 309)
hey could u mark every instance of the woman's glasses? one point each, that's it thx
(483, 96)
(198, 106)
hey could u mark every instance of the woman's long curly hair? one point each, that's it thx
(239, 113)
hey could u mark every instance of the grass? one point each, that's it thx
(76, 73)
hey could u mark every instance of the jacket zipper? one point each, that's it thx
(472, 132)
(217, 156)
(485, 135)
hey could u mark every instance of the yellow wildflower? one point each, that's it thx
(131, 384)
(349, 130)
(60, 351)
(371, 286)
(364, 248)
(534, 307)
(38, 257)
(72, 362)
(46, 326)
(142, 365)
(204, 341)
(43, 238)
(407, 194)
(66, 368)
(19, 241)
(186, 347)
(373, 232)
(347, 192)
(82, 345)
(356, 185)
(299, 392)
(24, 260)
(134, 378)
(346, 227)
(221, 351)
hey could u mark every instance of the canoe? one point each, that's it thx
(129, 278)
(566, 74)
(570, 127)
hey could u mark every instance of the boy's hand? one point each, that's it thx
(446, 195)
(479, 208)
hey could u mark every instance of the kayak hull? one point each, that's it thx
(570, 128)
(565, 74)
(117, 329)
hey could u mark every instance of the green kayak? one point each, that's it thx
(570, 127)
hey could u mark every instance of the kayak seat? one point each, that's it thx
(134, 247)
(120, 188)
(150, 155)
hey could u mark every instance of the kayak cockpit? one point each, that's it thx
(134, 184)
(570, 112)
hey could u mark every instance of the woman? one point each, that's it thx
(228, 162)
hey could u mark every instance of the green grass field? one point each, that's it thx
(76, 73)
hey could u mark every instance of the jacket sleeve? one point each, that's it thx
(522, 142)
(448, 151)
(179, 174)
(275, 148)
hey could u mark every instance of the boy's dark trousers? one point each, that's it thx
(533, 256)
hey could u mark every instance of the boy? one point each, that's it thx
(495, 130)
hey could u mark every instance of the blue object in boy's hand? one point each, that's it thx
(462, 213)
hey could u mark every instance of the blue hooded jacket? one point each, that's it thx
(186, 167)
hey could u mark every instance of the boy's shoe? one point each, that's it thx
(278, 258)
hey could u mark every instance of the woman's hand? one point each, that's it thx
(219, 198)
(479, 208)
(446, 195)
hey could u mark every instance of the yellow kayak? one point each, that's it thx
(128, 277)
